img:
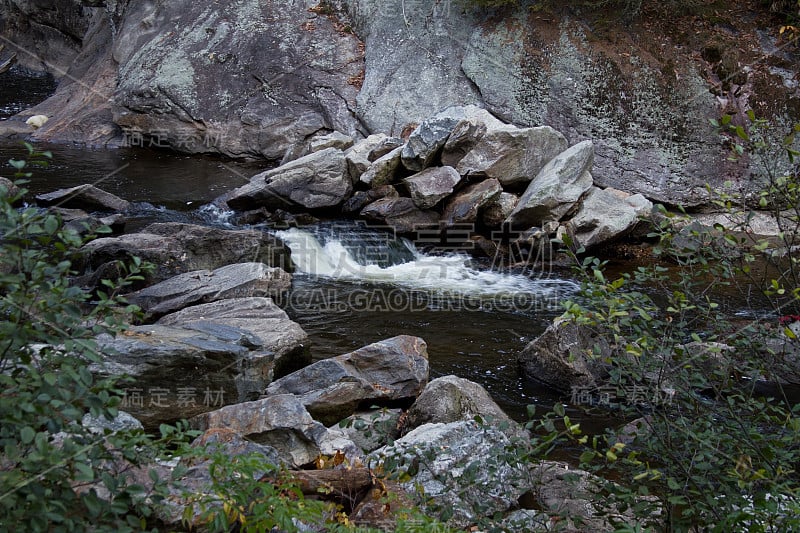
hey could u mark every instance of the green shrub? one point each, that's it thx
(55, 474)
(713, 450)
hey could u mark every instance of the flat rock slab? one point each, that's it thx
(203, 286)
(203, 358)
(317, 180)
(86, 197)
(176, 248)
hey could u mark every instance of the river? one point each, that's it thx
(353, 284)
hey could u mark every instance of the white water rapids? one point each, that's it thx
(375, 258)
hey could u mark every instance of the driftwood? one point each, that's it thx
(5, 64)
(346, 486)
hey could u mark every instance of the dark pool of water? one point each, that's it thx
(20, 90)
(174, 181)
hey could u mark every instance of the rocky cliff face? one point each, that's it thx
(262, 79)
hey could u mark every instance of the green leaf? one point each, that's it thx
(85, 472)
(27, 434)
(587, 457)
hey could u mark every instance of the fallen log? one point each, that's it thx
(346, 486)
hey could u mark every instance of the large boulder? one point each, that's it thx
(462, 467)
(386, 371)
(512, 155)
(314, 181)
(607, 214)
(400, 213)
(467, 132)
(241, 280)
(429, 187)
(370, 430)
(498, 210)
(282, 423)
(84, 196)
(564, 358)
(412, 61)
(453, 399)
(256, 322)
(571, 494)
(176, 248)
(426, 142)
(557, 187)
(203, 359)
(465, 206)
(236, 79)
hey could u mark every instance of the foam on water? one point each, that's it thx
(332, 256)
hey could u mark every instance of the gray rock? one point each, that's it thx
(426, 142)
(84, 196)
(100, 424)
(358, 155)
(453, 399)
(334, 139)
(332, 389)
(254, 79)
(605, 215)
(462, 139)
(400, 213)
(385, 146)
(360, 199)
(498, 210)
(557, 187)
(176, 248)
(563, 357)
(83, 223)
(464, 206)
(571, 493)
(314, 181)
(382, 170)
(180, 371)
(232, 444)
(52, 32)
(281, 422)
(7, 187)
(316, 143)
(412, 61)
(461, 466)
(180, 507)
(512, 155)
(369, 430)
(241, 280)
(471, 127)
(429, 187)
(256, 323)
